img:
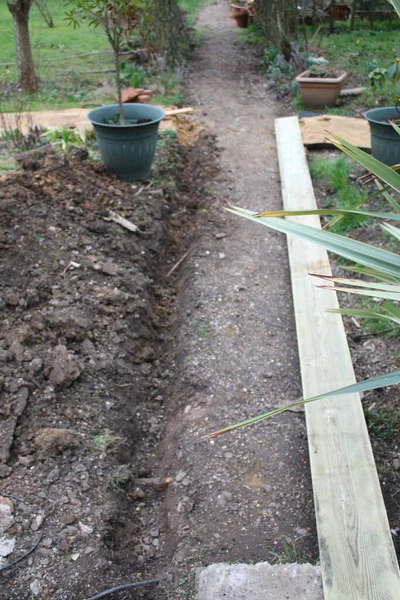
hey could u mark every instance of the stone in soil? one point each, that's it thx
(253, 582)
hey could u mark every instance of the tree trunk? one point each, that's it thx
(353, 15)
(164, 30)
(117, 50)
(332, 17)
(20, 13)
(371, 15)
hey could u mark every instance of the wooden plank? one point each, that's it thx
(356, 550)
(70, 117)
(314, 131)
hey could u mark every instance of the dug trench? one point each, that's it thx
(89, 317)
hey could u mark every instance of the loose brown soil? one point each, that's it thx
(86, 320)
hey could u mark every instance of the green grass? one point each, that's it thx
(192, 7)
(335, 172)
(252, 35)
(383, 423)
(51, 42)
(377, 326)
(64, 82)
(106, 440)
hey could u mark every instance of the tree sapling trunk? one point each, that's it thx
(20, 13)
(44, 11)
(353, 15)
(332, 17)
(119, 86)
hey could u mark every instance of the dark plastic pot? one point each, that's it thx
(127, 150)
(385, 141)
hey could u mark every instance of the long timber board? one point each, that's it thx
(356, 550)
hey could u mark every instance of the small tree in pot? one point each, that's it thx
(126, 133)
(116, 17)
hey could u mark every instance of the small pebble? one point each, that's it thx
(180, 476)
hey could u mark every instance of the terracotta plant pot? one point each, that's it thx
(241, 15)
(317, 92)
(342, 12)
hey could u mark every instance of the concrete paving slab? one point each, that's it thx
(259, 582)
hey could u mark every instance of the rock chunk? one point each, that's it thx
(50, 441)
(132, 94)
(62, 369)
(70, 322)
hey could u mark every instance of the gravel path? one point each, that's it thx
(243, 496)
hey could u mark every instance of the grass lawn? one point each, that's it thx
(64, 82)
(192, 7)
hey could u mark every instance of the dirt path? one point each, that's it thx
(247, 495)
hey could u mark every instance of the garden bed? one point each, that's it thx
(87, 312)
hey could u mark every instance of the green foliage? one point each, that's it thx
(120, 480)
(66, 138)
(64, 81)
(106, 440)
(383, 423)
(279, 20)
(168, 99)
(168, 86)
(132, 74)
(116, 17)
(203, 332)
(164, 29)
(378, 77)
(191, 7)
(253, 35)
(167, 157)
(361, 52)
(347, 195)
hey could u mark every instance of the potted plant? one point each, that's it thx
(385, 140)
(251, 7)
(320, 87)
(240, 13)
(126, 133)
(342, 11)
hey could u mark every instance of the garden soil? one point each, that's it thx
(120, 350)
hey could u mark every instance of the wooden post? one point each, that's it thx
(353, 15)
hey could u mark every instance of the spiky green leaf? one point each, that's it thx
(363, 314)
(387, 174)
(331, 211)
(362, 386)
(358, 252)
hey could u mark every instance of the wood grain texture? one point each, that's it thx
(68, 117)
(356, 550)
(315, 131)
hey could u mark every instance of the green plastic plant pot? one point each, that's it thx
(127, 150)
(385, 141)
